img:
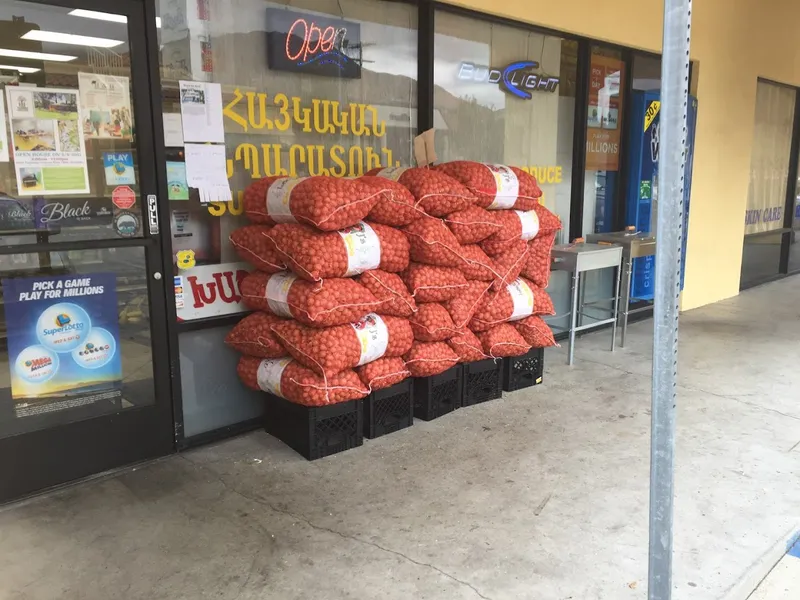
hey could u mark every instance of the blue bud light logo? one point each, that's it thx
(63, 327)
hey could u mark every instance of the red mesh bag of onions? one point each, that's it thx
(433, 284)
(383, 373)
(253, 336)
(251, 245)
(289, 379)
(333, 302)
(432, 323)
(391, 291)
(529, 190)
(472, 224)
(503, 340)
(467, 345)
(327, 203)
(537, 264)
(396, 205)
(316, 255)
(333, 349)
(535, 332)
(435, 193)
(495, 186)
(463, 307)
(518, 300)
(517, 225)
(509, 264)
(432, 243)
(476, 265)
(428, 359)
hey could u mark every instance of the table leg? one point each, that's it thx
(626, 298)
(573, 317)
(616, 308)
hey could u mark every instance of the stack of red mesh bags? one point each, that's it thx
(361, 283)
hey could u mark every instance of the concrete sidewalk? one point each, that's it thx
(542, 495)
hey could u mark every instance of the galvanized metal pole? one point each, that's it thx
(669, 233)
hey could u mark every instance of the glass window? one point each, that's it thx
(769, 163)
(603, 140)
(646, 73)
(68, 157)
(309, 87)
(769, 175)
(478, 118)
(794, 238)
(121, 307)
(761, 257)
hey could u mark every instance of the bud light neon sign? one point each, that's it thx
(311, 43)
(517, 79)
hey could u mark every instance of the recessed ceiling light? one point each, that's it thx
(69, 38)
(20, 69)
(104, 16)
(36, 55)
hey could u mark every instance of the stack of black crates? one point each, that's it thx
(319, 431)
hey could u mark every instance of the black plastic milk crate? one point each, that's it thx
(483, 381)
(437, 395)
(314, 431)
(523, 371)
(388, 410)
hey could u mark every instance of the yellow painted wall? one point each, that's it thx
(734, 42)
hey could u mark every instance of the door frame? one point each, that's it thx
(74, 450)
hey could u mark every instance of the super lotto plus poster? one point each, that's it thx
(63, 341)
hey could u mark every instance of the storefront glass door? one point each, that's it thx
(84, 367)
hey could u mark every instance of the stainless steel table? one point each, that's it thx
(580, 258)
(634, 245)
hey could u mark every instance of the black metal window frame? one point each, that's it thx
(786, 230)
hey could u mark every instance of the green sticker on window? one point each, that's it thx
(645, 190)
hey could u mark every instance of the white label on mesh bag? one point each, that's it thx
(278, 291)
(393, 173)
(506, 187)
(363, 248)
(373, 335)
(530, 223)
(522, 297)
(269, 374)
(278, 196)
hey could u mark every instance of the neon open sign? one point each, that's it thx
(517, 79)
(311, 43)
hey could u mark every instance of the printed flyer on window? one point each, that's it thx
(49, 154)
(106, 108)
(63, 341)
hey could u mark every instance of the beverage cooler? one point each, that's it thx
(641, 206)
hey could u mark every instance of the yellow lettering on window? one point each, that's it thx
(232, 114)
(357, 118)
(302, 116)
(315, 160)
(262, 120)
(378, 127)
(356, 161)
(247, 154)
(341, 118)
(273, 167)
(322, 116)
(337, 158)
(285, 121)
(297, 154)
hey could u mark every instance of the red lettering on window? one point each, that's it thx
(313, 38)
(291, 32)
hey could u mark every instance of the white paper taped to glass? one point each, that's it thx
(206, 170)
